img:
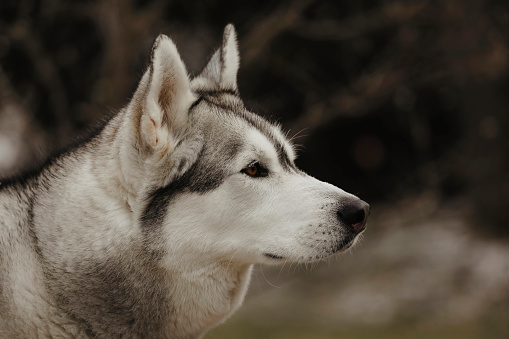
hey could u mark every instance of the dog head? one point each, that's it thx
(214, 181)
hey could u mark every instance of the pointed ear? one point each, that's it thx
(163, 97)
(221, 70)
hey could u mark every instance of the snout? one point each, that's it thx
(354, 214)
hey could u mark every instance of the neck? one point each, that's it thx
(116, 164)
(208, 296)
(184, 301)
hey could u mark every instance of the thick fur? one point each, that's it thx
(150, 228)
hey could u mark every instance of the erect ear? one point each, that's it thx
(163, 97)
(221, 70)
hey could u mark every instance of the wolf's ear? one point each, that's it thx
(221, 70)
(163, 97)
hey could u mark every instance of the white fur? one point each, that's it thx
(230, 59)
(88, 207)
(271, 215)
(221, 71)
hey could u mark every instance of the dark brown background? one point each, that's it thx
(401, 102)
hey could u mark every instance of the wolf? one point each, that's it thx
(150, 227)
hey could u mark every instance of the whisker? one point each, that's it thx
(281, 270)
(266, 280)
(296, 135)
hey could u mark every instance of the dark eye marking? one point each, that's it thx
(255, 170)
(196, 102)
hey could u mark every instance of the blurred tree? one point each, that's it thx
(388, 97)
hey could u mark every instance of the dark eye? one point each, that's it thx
(255, 170)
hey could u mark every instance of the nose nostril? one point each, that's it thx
(354, 215)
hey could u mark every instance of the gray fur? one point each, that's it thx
(150, 228)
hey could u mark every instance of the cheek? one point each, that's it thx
(243, 205)
(222, 209)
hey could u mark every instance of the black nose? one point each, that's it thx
(354, 213)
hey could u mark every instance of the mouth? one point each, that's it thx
(341, 246)
(344, 245)
(273, 256)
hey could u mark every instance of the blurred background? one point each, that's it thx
(402, 102)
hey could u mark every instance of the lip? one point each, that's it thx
(273, 256)
(344, 244)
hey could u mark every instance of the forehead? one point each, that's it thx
(229, 113)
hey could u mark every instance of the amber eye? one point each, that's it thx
(255, 170)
